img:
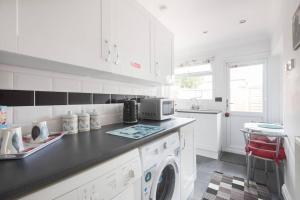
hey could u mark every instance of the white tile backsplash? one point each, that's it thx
(54, 125)
(59, 111)
(110, 109)
(26, 115)
(23, 81)
(126, 89)
(91, 107)
(6, 80)
(111, 88)
(91, 86)
(66, 85)
(20, 78)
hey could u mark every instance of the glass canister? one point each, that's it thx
(95, 120)
(70, 123)
(83, 121)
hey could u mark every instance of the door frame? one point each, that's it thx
(248, 61)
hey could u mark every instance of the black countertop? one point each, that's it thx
(70, 155)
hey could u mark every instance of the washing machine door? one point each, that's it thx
(165, 185)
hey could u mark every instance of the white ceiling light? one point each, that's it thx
(163, 7)
(243, 21)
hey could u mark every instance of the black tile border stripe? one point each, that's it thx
(76, 98)
(16, 98)
(43, 98)
(50, 98)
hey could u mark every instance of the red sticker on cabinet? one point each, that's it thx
(136, 65)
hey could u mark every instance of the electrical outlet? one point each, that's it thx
(290, 65)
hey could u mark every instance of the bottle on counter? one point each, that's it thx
(83, 121)
(70, 123)
(95, 120)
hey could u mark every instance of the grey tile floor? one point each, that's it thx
(232, 165)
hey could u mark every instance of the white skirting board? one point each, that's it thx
(285, 193)
(207, 153)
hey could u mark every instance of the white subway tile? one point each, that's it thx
(111, 88)
(54, 125)
(6, 80)
(91, 86)
(66, 85)
(126, 89)
(90, 108)
(26, 115)
(23, 81)
(59, 111)
(120, 108)
(110, 109)
(110, 119)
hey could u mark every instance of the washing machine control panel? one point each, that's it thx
(147, 181)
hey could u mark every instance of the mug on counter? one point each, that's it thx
(11, 140)
(40, 131)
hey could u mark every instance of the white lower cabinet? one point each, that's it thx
(207, 129)
(116, 179)
(188, 161)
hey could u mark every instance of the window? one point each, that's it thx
(246, 88)
(194, 82)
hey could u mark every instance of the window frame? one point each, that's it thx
(264, 101)
(204, 73)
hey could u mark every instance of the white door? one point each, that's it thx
(245, 100)
(67, 31)
(131, 43)
(163, 52)
(8, 25)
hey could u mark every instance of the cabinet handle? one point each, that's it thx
(117, 54)
(107, 59)
(156, 68)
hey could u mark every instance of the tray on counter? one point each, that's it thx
(137, 131)
(30, 148)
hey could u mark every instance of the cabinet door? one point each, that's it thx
(67, 31)
(131, 47)
(163, 53)
(8, 25)
(188, 159)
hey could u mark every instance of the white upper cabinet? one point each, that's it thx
(67, 31)
(163, 52)
(117, 36)
(8, 25)
(129, 38)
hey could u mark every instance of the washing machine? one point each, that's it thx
(161, 169)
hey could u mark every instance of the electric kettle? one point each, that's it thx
(130, 112)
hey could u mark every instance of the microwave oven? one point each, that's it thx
(157, 108)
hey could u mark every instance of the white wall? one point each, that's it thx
(282, 43)
(237, 53)
(18, 78)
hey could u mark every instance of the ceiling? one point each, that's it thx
(188, 19)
